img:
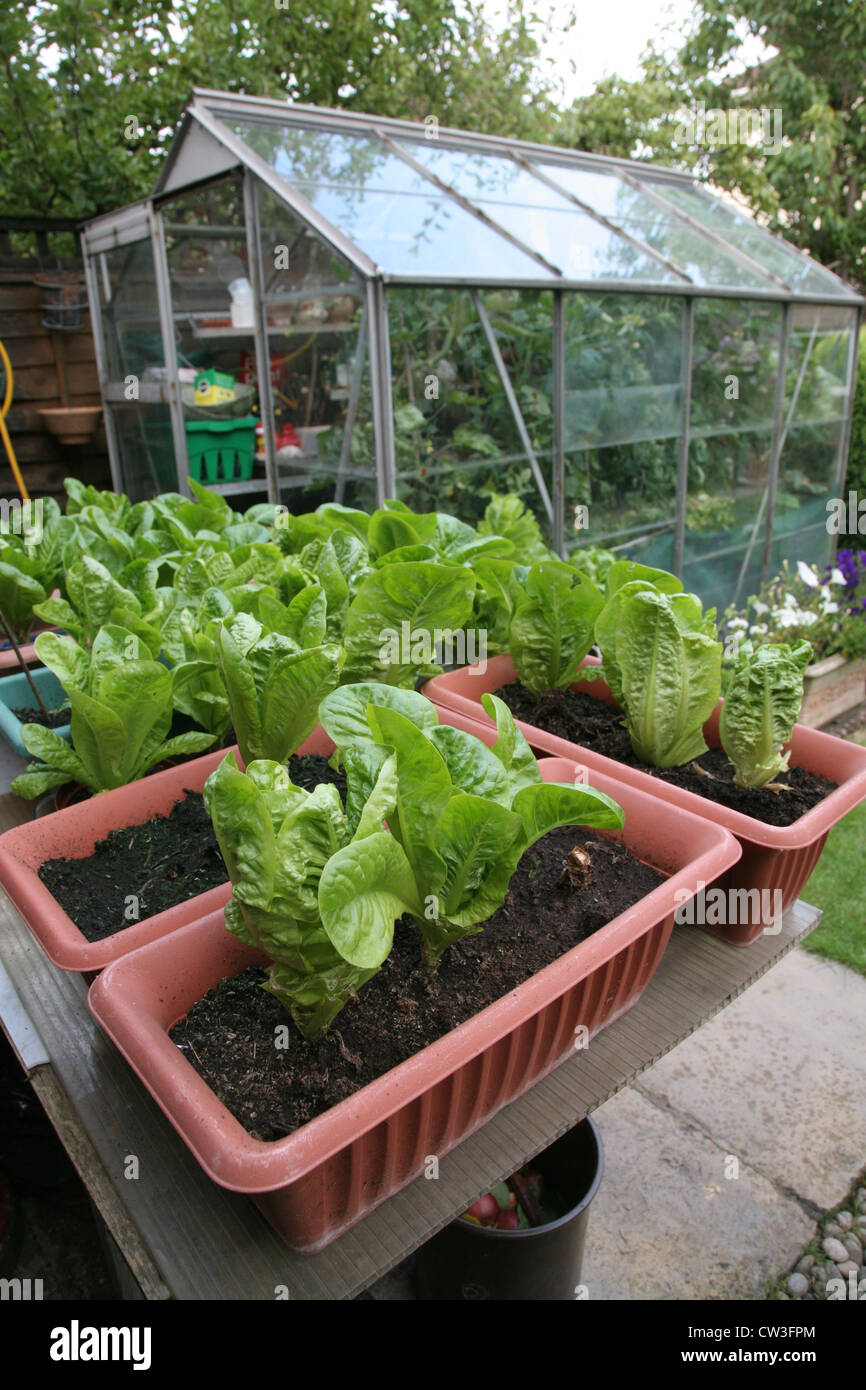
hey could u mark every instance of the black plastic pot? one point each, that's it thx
(469, 1262)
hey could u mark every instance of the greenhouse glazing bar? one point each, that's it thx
(686, 358)
(380, 381)
(559, 424)
(851, 385)
(169, 347)
(352, 404)
(632, 287)
(263, 356)
(778, 436)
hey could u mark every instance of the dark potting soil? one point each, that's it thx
(57, 718)
(585, 719)
(307, 772)
(162, 862)
(228, 1036)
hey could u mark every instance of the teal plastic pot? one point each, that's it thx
(469, 1263)
(16, 693)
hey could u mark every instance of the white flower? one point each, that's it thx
(758, 630)
(737, 624)
(807, 575)
(807, 618)
(831, 608)
(837, 577)
(790, 602)
(760, 607)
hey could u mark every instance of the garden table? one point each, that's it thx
(181, 1236)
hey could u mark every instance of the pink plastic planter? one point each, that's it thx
(72, 834)
(320, 1180)
(775, 859)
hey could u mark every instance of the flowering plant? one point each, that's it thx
(827, 607)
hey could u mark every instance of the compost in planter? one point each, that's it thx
(228, 1036)
(57, 718)
(161, 862)
(473, 1263)
(593, 723)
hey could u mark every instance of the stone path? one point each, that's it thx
(721, 1160)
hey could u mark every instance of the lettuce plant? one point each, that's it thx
(760, 710)
(121, 715)
(273, 684)
(318, 889)
(464, 813)
(20, 591)
(662, 662)
(393, 620)
(552, 626)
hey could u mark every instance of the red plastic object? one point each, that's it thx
(776, 860)
(71, 833)
(320, 1180)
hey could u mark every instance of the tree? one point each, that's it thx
(94, 88)
(809, 188)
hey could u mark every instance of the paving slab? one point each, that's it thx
(669, 1224)
(779, 1078)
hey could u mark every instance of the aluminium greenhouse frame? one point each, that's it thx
(206, 150)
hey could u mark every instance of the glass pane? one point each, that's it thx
(456, 440)
(337, 463)
(735, 365)
(810, 462)
(808, 478)
(622, 422)
(146, 446)
(818, 362)
(578, 245)
(133, 341)
(631, 208)
(395, 215)
(799, 273)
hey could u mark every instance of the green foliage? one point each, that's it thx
(808, 186)
(856, 477)
(273, 687)
(662, 662)
(464, 814)
(89, 129)
(761, 706)
(121, 705)
(553, 625)
(319, 896)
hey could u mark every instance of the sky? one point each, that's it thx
(610, 37)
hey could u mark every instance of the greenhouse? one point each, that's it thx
(320, 305)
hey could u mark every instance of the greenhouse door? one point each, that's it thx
(136, 356)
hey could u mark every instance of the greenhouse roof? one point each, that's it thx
(417, 203)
